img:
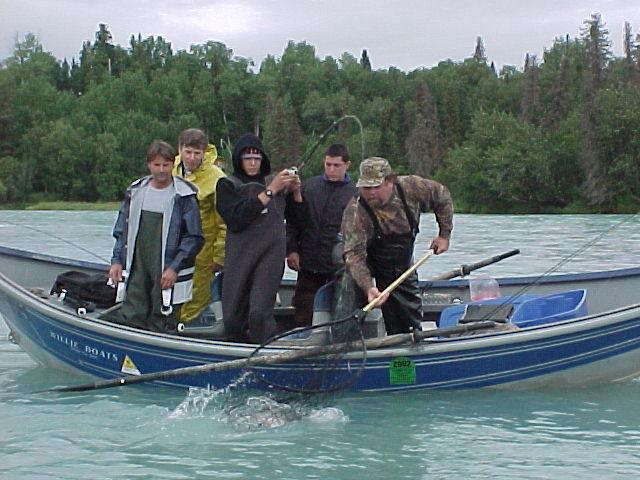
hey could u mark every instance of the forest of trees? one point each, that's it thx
(560, 134)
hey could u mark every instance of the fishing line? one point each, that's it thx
(555, 267)
(311, 151)
(58, 238)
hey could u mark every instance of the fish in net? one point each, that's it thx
(333, 371)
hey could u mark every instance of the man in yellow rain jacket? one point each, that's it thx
(196, 163)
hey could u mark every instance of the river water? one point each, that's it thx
(150, 432)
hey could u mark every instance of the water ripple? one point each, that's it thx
(152, 432)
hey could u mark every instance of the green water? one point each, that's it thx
(149, 432)
(159, 433)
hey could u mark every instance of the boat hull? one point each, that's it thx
(599, 348)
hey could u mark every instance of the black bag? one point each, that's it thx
(82, 287)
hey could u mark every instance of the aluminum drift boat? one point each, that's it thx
(600, 346)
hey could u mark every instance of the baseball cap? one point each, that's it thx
(373, 171)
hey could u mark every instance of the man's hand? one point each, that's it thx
(115, 274)
(374, 293)
(284, 181)
(169, 277)
(295, 187)
(216, 267)
(293, 261)
(439, 245)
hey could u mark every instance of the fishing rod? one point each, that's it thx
(466, 269)
(64, 240)
(311, 151)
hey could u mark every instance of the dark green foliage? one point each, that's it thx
(507, 165)
(559, 135)
(530, 105)
(596, 187)
(283, 137)
(423, 142)
(617, 138)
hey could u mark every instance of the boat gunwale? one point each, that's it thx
(423, 284)
(231, 349)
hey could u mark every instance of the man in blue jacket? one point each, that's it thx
(310, 243)
(158, 236)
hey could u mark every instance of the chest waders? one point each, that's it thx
(388, 256)
(254, 266)
(143, 303)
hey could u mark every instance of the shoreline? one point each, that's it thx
(62, 205)
(112, 206)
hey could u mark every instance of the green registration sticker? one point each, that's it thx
(402, 371)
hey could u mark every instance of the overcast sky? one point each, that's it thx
(407, 34)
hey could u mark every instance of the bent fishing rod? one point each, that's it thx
(307, 155)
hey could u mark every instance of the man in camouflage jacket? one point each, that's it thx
(379, 230)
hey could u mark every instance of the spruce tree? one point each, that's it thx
(597, 54)
(530, 103)
(364, 60)
(630, 68)
(423, 144)
(636, 57)
(558, 106)
(479, 54)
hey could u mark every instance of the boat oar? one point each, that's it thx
(466, 269)
(283, 357)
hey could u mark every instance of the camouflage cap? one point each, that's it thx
(373, 171)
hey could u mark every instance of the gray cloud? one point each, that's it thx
(406, 34)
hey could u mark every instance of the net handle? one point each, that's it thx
(372, 304)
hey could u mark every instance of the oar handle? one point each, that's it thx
(468, 268)
(398, 281)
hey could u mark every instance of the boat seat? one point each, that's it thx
(482, 312)
(551, 308)
(205, 326)
(522, 311)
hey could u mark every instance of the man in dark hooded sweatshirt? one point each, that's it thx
(252, 203)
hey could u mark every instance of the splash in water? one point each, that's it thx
(239, 405)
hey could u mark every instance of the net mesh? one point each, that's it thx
(330, 372)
